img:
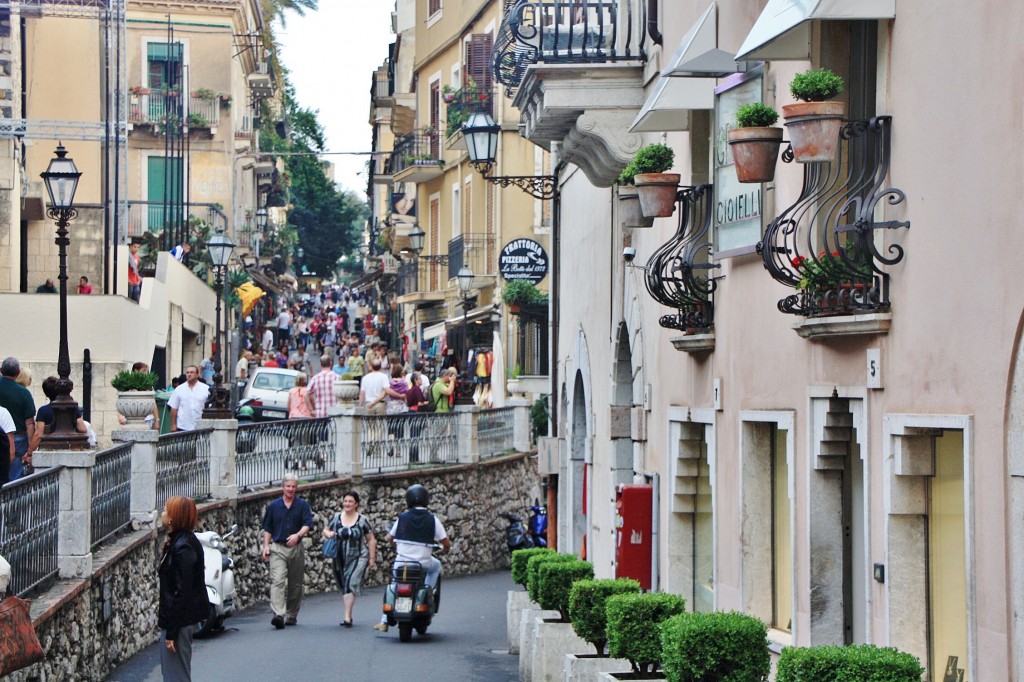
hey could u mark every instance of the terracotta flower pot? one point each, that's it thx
(657, 193)
(630, 214)
(814, 129)
(755, 151)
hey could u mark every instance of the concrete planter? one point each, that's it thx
(518, 601)
(586, 667)
(620, 677)
(527, 638)
(554, 641)
(346, 391)
(135, 406)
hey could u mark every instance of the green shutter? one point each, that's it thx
(164, 52)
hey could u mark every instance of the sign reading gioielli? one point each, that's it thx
(523, 259)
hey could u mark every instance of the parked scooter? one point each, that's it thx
(539, 524)
(220, 581)
(408, 602)
(516, 536)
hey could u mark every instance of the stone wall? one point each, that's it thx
(88, 627)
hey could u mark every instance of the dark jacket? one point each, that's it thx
(183, 599)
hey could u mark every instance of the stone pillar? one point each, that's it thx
(469, 448)
(74, 514)
(348, 460)
(520, 424)
(222, 457)
(143, 489)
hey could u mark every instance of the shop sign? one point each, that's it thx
(523, 259)
(738, 206)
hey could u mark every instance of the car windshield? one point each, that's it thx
(273, 381)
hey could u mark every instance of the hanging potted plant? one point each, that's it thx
(135, 396)
(655, 188)
(520, 292)
(755, 142)
(814, 121)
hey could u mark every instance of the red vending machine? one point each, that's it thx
(633, 522)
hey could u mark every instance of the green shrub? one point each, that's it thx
(864, 663)
(519, 559)
(127, 380)
(756, 115)
(555, 580)
(816, 86)
(533, 564)
(587, 604)
(522, 292)
(654, 158)
(633, 627)
(715, 647)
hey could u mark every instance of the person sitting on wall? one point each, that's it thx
(47, 288)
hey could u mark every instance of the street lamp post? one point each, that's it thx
(61, 178)
(465, 279)
(218, 405)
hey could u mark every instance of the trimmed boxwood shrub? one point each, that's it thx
(555, 580)
(587, 607)
(715, 647)
(519, 559)
(633, 627)
(532, 566)
(864, 663)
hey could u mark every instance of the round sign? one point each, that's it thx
(523, 259)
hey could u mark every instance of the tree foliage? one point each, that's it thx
(278, 8)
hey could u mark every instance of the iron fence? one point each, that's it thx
(152, 216)
(183, 465)
(495, 431)
(391, 443)
(265, 452)
(418, 148)
(111, 492)
(475, 250)
(28, 528)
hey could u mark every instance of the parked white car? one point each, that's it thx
(267, 393)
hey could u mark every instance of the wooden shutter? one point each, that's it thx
(435, 119)
(434, 225)
(434, 6)
(478, 65)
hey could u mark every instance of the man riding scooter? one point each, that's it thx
(415, 535)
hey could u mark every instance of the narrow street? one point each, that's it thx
(466, 642)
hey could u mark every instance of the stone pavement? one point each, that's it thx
(466, 642)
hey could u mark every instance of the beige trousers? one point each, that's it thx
(287, 569)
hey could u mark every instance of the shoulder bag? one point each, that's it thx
(330, 545)
(19, 645)
(431, 405)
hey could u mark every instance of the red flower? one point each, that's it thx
(798, 262)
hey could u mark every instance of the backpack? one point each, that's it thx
(431, 405)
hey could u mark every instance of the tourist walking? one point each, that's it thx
(298, 408)
(287, 520)
(320, 396)
(134, 272)
(18, 401)
(183, 599)
(357, 551)
(187, 401)
(371, 389)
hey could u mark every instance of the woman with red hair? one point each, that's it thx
(183, 600)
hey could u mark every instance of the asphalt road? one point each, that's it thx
(466, 642)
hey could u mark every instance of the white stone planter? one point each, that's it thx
(135, 406)
(346, 391)
(518, 601)
(585, 667)
(620, 677)
(554, 641)
(527, 636)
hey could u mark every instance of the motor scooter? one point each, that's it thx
(220, 581)
(539, 524)
(408, 602)
(516, 536)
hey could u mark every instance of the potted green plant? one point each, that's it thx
(136, 396)
(655, 188)
(755, 142)
(205, 94)
(718, 646)
(814, 121)
(520, 292)
(632, 627)
(863, 662)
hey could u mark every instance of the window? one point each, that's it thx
(478, 70)
(456, 211)
(163, 62)
(782, 542)
(433, 7)
(435, 118)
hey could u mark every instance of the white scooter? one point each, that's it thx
(220, 581)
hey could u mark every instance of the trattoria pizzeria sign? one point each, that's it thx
(523, 259)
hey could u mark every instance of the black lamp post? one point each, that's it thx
(417, 239)
(218, 405)
(61, 178)
(465, 279)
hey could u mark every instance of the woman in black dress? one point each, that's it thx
(357, 551)
(183, 600)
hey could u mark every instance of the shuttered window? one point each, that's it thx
(435, 118)
(434, 226)
(433, 7)
(478, 67)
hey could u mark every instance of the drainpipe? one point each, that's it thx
(655, 479)
(652, 22)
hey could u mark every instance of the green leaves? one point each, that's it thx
(520, 557)
(864, 663)
(715, 647)
(818, 85)
(633, 626)
(588, 607)
(555, 580)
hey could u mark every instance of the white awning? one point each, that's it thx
(433, 331)
(666, 107)
(783, 30)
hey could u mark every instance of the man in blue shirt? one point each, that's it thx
(287, 520)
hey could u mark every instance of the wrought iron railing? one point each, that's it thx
(151, 216)
(390, 443)
(168, 108)
(111, 492)
(678, 274)
(183, 465)
(495, 431)
(424, 273)
(28, 528)
(419, 148)
(265, 452)
(566, 31)
(824, 244)
(474, 249)
(532, 339)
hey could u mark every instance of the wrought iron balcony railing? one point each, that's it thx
(473, 249)
(566, 31)
(824, 244)
(423, 274)
(152, 216)
(419, 148)
(163, 108)
(678, 274)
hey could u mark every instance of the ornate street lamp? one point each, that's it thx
(417, 238)
(481, 135)
(261, 218)
(465, 280)
(61, 178)
(218, 405)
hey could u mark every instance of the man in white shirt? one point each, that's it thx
(371, 389)
(284, 328)
(187, 401)
(268, 340)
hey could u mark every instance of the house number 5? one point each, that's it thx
(874, 368)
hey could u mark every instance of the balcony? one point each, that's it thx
(423, 279)
(575, 69)
(475, 249)
(151, 216)
(261, 81)
(461, 104)
(161, 108)
(382, 86)
(416, 157)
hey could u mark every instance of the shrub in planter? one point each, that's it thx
(127, 380)
(715, 647)
(519, 559)
(632, 627)
(865, 663)
(533, 565)
(555, 580)
(656, 188)
(654, 158)
(815, 120)
(755, 142)
(818, 85)
(520, 292)
(587, 607)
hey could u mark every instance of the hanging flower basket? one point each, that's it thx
(657, 192)
(814, 129)
(630, 215)
(755, 152)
